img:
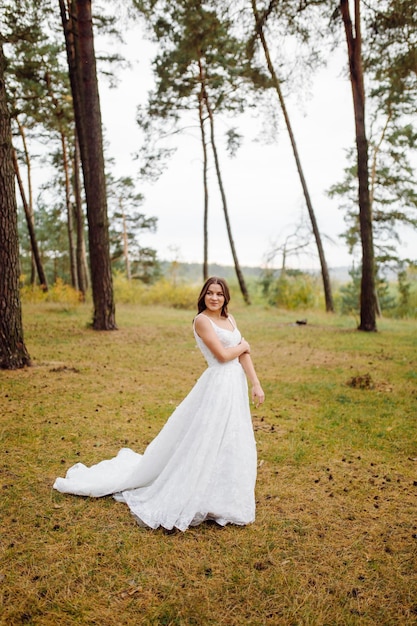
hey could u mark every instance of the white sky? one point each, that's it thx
(264, 194)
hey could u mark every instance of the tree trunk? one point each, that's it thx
(78, 29)
(373, 177)
(31, 228)
(354, 44)
(82, 267)
(323, 264)
(239, 274)
(125, 242)
(36, 262)
(70, 214)
(205, 182)
(66, 168)
(13, 352)
(28, 203)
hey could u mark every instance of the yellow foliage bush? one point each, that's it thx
(128, 291)
(163, 292)
(176, 295)
(59, 292)
(299, 291)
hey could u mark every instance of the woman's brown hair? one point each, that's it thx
(214, 280)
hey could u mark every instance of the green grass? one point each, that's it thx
(335, 539)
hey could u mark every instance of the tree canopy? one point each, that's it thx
(207, 69)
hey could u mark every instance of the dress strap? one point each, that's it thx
(232, 321)
(229, 317)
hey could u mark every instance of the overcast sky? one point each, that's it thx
(264, 194)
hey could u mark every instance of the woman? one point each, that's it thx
(202, 464)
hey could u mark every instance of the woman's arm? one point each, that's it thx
(258, 395)
(207, 333)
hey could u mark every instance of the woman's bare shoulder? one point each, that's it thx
(202, 325)
(201, 320)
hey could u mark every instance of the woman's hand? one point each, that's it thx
(245, 345)
(258, 395)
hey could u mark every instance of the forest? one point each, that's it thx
(96, 331)
(211, 61)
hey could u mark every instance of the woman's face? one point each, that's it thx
(214, 298)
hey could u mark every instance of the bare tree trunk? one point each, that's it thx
(323, 264)
(374, 162)
(29, 202)
(29, 213)
(125, 242)
(29, 221)
(65, 165)
(70, 215)
(239, 274)
(78, 29)
(13, 352)
(82, 266)
(372, 193)
(354, 45)
(205, 182)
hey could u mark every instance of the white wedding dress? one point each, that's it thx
(202, 464)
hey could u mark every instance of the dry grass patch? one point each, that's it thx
(335, 540)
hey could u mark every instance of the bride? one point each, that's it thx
(202, 464)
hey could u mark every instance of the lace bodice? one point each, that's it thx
(229, 339)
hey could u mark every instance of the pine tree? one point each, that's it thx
(13, 352)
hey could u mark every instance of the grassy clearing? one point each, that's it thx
(335, 540)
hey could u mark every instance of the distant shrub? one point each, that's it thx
(178, 296)
(349, 301)
(128, 291)
(293, 290)
(59, 292)
(396, 300)
(406, 302)
(163, 292)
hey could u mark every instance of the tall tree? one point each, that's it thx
(198, 68)
(25, 93)
(13, 352)
(127, 224)
(77, 23)
(238, 270)
(82, 269)
(353, 37)
(28, 210)
(64, 123)
(201, 119)
(260, 20)
(391, 64)
(354, 45)
(389, 59)
(393, 192)
(41, 107)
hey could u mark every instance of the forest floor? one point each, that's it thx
(335, 538)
